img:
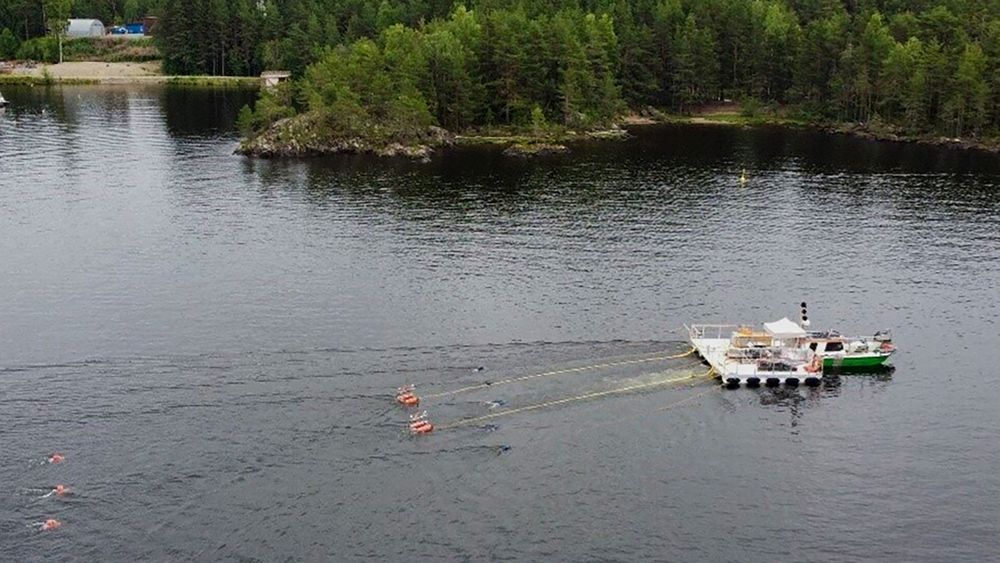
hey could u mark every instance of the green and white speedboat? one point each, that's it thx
(842, 353)
(850, 353)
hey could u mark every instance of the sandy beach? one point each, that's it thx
(92, 70)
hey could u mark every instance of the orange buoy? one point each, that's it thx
(56, 458)
(421, 427)
(408, 399)
(419, 423)
(406, 396)
(61, 490)
(51, 524)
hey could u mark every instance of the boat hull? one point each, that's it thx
(856, 362)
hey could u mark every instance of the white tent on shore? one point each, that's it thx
(85, 28)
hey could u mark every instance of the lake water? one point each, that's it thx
(213, 342)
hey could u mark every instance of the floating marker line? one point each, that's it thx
(556, 372)
(491, 416)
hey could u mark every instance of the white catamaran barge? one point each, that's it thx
(741, 355)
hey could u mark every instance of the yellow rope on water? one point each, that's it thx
(477, 419)
(691, 398)
(556, 372)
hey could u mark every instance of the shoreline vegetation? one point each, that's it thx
(546, 75)
(289, 139)
(398, 77)
(174, 80)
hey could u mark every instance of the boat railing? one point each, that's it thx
(754, 353)
(882, 336)
(710, 330)
(768, 353)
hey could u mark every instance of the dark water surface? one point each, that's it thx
(213, 342)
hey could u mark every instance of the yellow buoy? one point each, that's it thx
(743, 176)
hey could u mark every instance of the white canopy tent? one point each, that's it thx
(785, 328)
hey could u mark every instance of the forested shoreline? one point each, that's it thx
(389, 69)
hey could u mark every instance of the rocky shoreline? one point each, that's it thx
(528, 150)
(869, 133)
(731, 117)
(862, 131)
(302, 137)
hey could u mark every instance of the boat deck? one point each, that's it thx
(734, 373)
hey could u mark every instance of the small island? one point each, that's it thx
(414, 90)
(536, 81)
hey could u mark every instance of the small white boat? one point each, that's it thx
(3, 101)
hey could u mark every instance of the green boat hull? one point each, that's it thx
(855, 362)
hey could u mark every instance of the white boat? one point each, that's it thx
(3, 101)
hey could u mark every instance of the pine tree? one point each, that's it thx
(8, 44)
(966, 105)
(901, 94)
(58, 13)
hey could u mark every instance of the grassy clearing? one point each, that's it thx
(43, 80)
(229, 82)
(110, 50)
(239, 82)
(736, 119)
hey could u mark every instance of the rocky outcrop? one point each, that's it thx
(526, 150)
(303, 136)
(613, 133)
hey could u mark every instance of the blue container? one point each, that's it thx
(135, 28)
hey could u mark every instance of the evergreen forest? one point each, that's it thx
(922, 66)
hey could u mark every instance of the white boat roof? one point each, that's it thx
(785, 328)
